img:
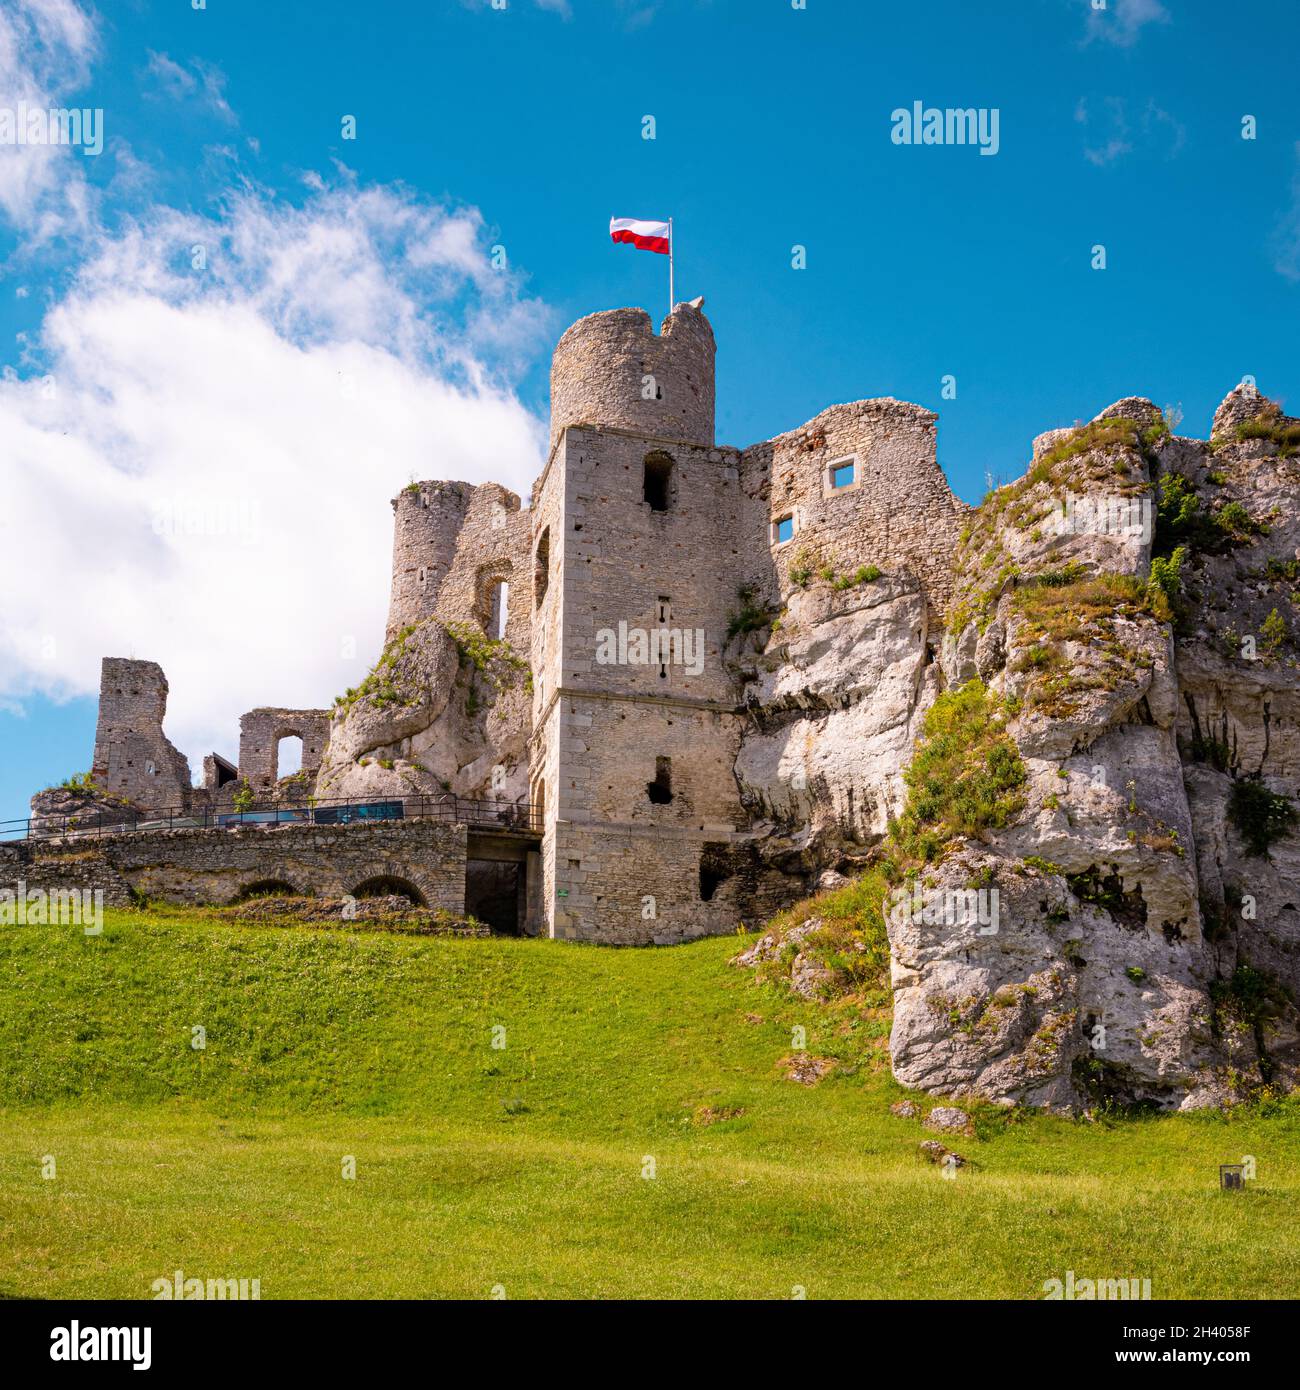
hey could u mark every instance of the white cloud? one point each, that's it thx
(1116, 144)
(1286, 236)
(275, 401)
(560, 7)
(202, 83)
(1122, 21)
(45, 51)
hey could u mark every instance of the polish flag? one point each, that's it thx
(649, 236)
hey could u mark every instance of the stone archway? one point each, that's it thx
(390, 885)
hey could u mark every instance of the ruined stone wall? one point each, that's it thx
(552, 525)
(218, 773)
(493, 544)
(31, 867)
(546, 795)
(617, 842)
(133, 758)
(601, 364)
(260, 731)
(899, 514)
(213, 867)
(626, 886)
(614, 759)
(546, 562)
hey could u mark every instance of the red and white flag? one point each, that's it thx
(648, 236)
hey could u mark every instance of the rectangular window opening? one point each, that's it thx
(658, 476)
(844, 474)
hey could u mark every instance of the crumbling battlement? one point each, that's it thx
(898, 512)
(453, 545)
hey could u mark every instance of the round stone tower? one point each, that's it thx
(427, 518)
(612, 369)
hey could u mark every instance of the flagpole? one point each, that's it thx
(670, 265)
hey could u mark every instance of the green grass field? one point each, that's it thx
(522, 1167)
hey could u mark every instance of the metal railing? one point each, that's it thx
(518, 815)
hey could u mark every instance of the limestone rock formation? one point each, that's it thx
(834, 695)
(443, 711)
(1129, 606)
(73, 809)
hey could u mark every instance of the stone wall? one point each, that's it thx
(217, 866)
(633, 886)
(493, 545)
(624, 561)
(133, 758)
(53, 867)
(545, 584)
(899, 513)
(427, 518)
(260, 732)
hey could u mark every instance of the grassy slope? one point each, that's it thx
(522, 1167)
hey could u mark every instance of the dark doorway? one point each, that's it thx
(493, 894)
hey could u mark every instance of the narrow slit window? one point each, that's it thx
(542, 569)
(499, 600)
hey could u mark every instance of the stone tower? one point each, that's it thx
(628, 585)
(637, 540)
(427, 519)
(611, 369)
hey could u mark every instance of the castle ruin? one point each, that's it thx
(682, 688)
(656, 773)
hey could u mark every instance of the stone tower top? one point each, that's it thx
(427, 519)
(612, 369)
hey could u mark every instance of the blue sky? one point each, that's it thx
(523, 128)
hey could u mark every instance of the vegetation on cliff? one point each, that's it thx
(966, 777)
(1104, 455)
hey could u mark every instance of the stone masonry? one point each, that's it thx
(260, 732)
(657, 824)
(423, 859)
(133, 759)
